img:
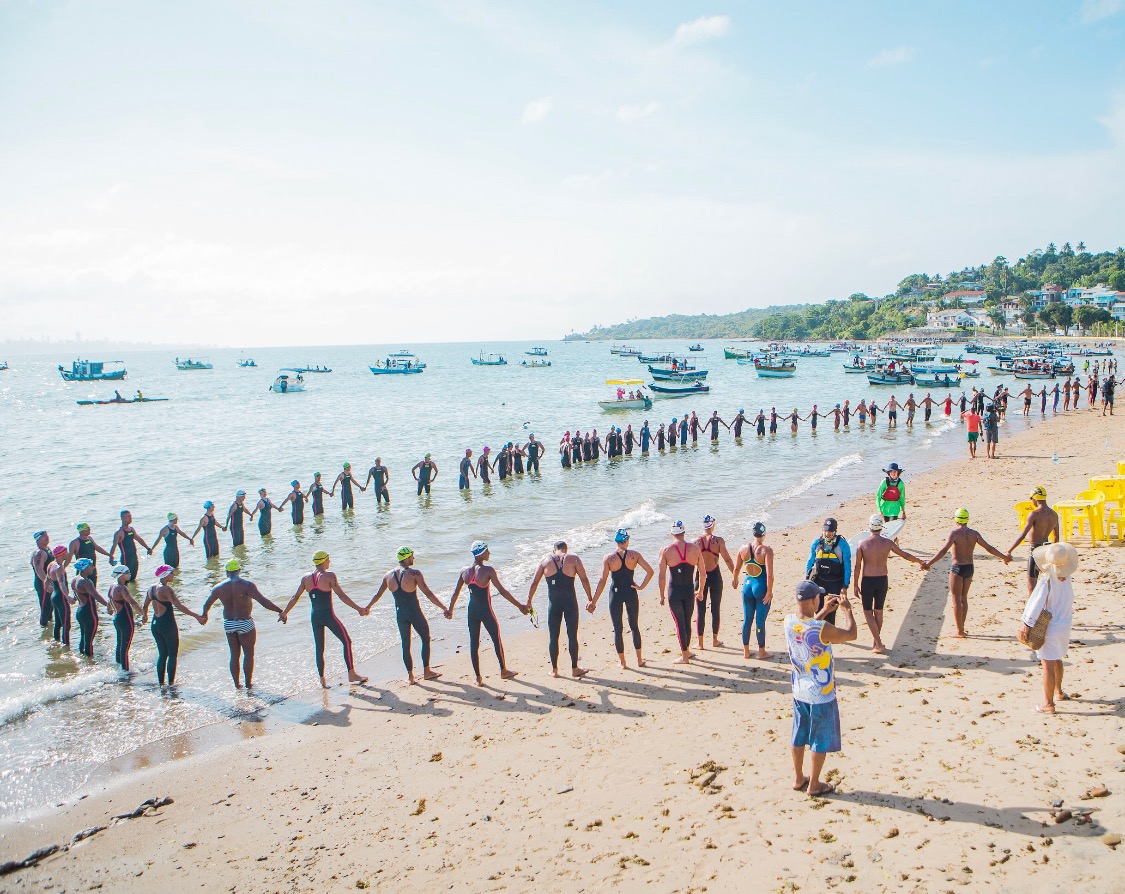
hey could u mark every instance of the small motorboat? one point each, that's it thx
(401, 363)
(624, 351)
(137, 398)
(536, 352)
(656, 358)
(883, 377)
(623, 402)
(737, 354)
(489, 360)
(188, 364)
(312, 369)
(774, 368)
(534, 364)
(247, 362)
(683, 389)
(3, 365)
(94, 371)
(673, 364)
(676, 375)
(288, 381)
(697, 347)
(938, 381)
(404, 355)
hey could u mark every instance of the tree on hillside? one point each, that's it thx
(1087, 316)
(1116, 280)
(996, 314)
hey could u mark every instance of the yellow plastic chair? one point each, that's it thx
(1113, 516)
(1082, 512)
(1023, 509)
(1097, 510)
(1121, 468)
(1113, 488)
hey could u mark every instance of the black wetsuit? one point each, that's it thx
(86, 551)
(171, 547)
(298, 507)
(587, 451)
(681, 597)
(623, 597)
(517, 462)
(87, 618)
(761, 424)
(629, 441)
(124, 626)
(167, 636)
(408, 614)
(562, 604)
(534, 449)
(464, 472)
(42, 592)
(317, 495)
(480, 613)
(737, 425)
(660, 439)
(646, 438)
(714, 423)
(595, 447)
(564, 455)
(847, 413)
(576, 449)
(713, 590)
(379, 480)
(483, 469)
(265, 516)
(237, 534)
(210, 537)
(502, 464)
(60, 608)
(773, 423)
(347, 498)
(424, 477)
(323, 616)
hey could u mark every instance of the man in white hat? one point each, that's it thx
(871, 578)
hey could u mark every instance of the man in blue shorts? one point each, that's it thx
(816, 716)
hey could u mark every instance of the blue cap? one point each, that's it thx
(479, 548)
(83, 564)
(294, 483)
(37, 535)
(208, 505)
(621, 536)
(708, 521)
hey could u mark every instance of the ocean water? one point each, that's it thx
(223, 430)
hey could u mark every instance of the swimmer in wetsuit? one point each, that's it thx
(164, 631)
(315, 495)
(773, 420)
(235, 517)
(465, 470)
(209, 526)
(425, 472)
(264, 509)
(560, 570)
(404, 583)
(170, 534)
(478, 577)
(534, 450)
(84, 547)
(379, 474)
(963, 540)
(713, 548)
(564, 451)
(756, 560)
(320, 585)
(126, 539)
(681, 565)
(738, 422)
(124, 609)
(714, 422)
(646, 438)
(619, 566)
(238, 597)
(87, 597)
(760, 423)
(345, 480)
(61, 600)
(296, 498)
(40, 559)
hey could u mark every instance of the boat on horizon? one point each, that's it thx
(535, 364)
(188, 364)
(288, 381)
(624, 351)
(489, 360)
(674, 375)
(697, 347)
(246, 362)
(774, 368)
(94, 371)
(310, 369)
(737, 354)
(536, 352)
(882, 377)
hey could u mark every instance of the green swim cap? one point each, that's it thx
(320, 557)
(233, 565)
(82, 526)
(961, 516)
(347, 465)
(172, 516)
(404, 552)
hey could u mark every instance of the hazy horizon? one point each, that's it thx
(255, 174)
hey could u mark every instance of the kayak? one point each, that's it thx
(113, 400)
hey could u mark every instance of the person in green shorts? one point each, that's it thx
(972, 427)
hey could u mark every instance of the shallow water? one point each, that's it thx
(222, 430)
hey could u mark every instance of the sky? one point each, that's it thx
(259, 172)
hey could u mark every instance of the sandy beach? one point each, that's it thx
(670, 778)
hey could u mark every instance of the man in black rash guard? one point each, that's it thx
(297, 499)
(619, 567)
(404, 583)
(560, 570)
(681, 564)
(380, 475)
(234, 519)
(345, 480)
(479, 577)
(425, 472)
(533, 449)
(712, 548)
(126, 539)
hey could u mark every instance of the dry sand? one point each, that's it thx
(946, 779)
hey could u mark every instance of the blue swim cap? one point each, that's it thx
(479, 548)
(208, 505)
(82, 564)
(621, 536)
(294, 483)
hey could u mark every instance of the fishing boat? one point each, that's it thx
(1028, 373)
(3, 365)
(624, 351)
(774, 368)
(489, 360)
(681, 390)
(246, 362)
(841, 347)
(188, 364)
(697, 347)
(798, 353)
(94, 371)
(312, 369)
(656, 358)
(675, 375)
(960, 359)
(534, 364)
(407, 356)
(397, 365)
(938, 381)
(622, 402)
(288, 381)
(536, 352)
(883, 377)
(970, 369)
(138, 399)
(737, 354)
(933, 369)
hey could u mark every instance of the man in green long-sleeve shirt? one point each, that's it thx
(891, 495)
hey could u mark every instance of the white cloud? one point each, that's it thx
(701, 29)
(1096, 10)
(537, 110)
(637, 111)
(1115, 121)
(896, 56)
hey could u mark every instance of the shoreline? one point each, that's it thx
(511, 751)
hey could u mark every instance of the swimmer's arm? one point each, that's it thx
(344, 598)
(736, 572)
(144, 608)
(369, 477)
(898, 552)
(503, 591)
(207, 605)
(379, 593)
(141, 541)
(701, 575)
(456, 591)
(414, 471)
(858, 570)
(113, 546)
(582, 576)
(420, 583)
(293, 601)
(941, 552)
(535, 583)
(648, 572)
(198, 528)
(183, 609)
(769, 576)
(663, 574)
(726, 555)
(257, 596)
(1026, 530)
(601, 584)
(98, 596)
(129, 598)
(988, 547)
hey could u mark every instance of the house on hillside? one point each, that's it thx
(1012, 311)
(1098, 296)
(1042, 297)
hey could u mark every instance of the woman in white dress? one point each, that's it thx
(1055, 593)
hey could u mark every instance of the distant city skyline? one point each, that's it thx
(247, 173)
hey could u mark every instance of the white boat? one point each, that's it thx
(534, 364)
(188, 364)
(640, 402)
(288, 381)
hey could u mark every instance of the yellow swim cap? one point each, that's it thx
(233, 565)
(320, 557)
(405, 553)
(1039, 494)
(961, 516)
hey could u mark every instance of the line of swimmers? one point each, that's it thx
(689, 576)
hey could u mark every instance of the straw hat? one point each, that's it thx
(1061, 559)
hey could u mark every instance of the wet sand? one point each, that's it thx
(946, 779)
